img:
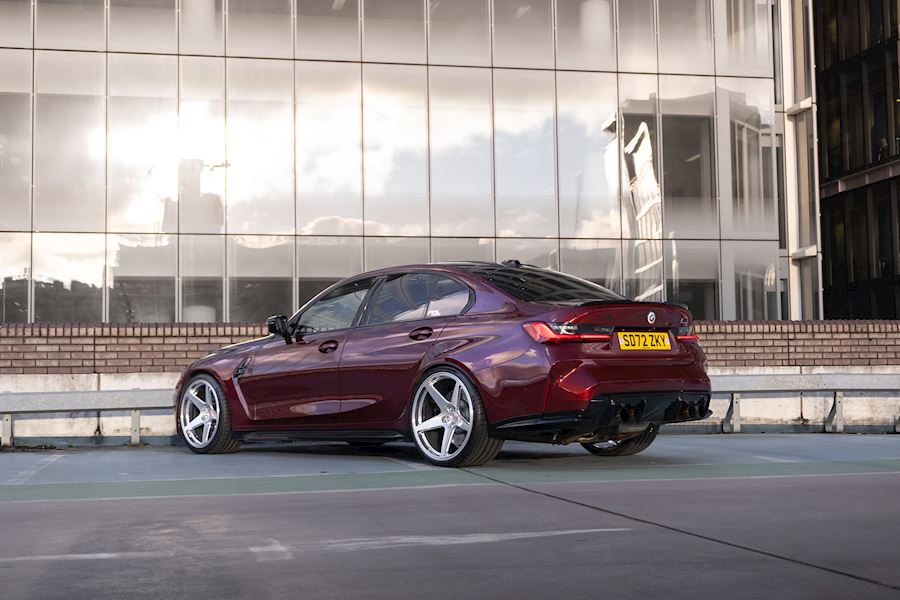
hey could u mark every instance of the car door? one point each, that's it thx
(300, 379)
(382, 357)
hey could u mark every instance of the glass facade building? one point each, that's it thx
(223, 160)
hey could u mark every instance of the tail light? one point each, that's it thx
(555, 333)
(686, 334)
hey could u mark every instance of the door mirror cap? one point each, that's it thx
(277, 325)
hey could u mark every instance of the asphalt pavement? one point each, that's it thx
(713, 516)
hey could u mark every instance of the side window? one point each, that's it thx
(400, 298)
(448, 297)
(336, 310)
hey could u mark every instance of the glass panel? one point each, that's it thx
(685, 37)
(322, 261)
(692, 276)
(461, 183)
(143, 133)
(202, 27)
(643, 270)
(141, 278)
(143, 26)
(201, 141)
(260, 146)
(459, 33)
(749, 286)
(400, 298)
(588, 155)
(808, 213)
(585, 35)
(335, 311)
(525, 159)
(599, 261)
(259, 277)
(745, 120)
(390, 252)
(329, 149)
(14, 270)
(743, 38)
(690, 205)
(202, 278)
(637, 36)
(809, 291)
(523, 35)
(542, 253)
(15, 23)
(68, 277)
(71, 25)
(260, 28)
(462, 249)
(69, 140)
(328, 29)
(640, 189)
(394, 30)
(15, 139)
(395, 154)
(448, 297)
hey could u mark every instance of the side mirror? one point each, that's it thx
(278, 325)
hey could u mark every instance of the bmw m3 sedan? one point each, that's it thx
(456, 357)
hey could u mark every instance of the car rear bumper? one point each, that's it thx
(607, 417)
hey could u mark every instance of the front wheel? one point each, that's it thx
(448, 422)
(202, 417)
(624, 447)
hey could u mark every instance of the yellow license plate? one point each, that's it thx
(642, 340)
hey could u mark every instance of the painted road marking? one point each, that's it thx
(26, 474)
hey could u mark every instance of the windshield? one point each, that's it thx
(532, 284)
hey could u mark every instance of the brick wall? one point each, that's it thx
(41, 348)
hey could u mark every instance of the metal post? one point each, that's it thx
(834, 423)
(732, 421)
(135, 427)
(6, 427)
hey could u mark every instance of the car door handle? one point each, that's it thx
(421, 333)
(329, 346)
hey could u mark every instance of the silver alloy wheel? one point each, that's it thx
(198, 414)
(442, 413)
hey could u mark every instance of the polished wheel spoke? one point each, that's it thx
(195, 400)
(464, 424)
(445, 441)
(194, 424)
(442, 435)
(435, 422)
(437, 397)
(454, 398)
(199, 413)
(207, 429)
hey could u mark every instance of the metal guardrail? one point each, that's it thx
(835, 383)
(52, 402)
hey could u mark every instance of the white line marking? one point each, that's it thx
(412, 465)
(26, 474)
(274, 551)
(775, 459)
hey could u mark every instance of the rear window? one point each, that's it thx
(532, 284)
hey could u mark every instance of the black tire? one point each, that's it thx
(479, 448)
(624, 447)
(220, 442)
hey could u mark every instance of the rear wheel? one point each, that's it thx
(203, 420)
(624, 447)
(448, 422)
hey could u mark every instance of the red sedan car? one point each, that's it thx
(457, 357)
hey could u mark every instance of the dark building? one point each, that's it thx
(858, 85)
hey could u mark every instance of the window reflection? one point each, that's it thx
(68, 277)
(396, 133)
(599, 261)
(749, 280)
(462, 249)
(70, 25)
(458, 32)
(202, 27)
(743, 38)
(329, 153)
(689, 179)
(15, 23)
(523, 36)
(643, 270)
(394, 31)
(260, 146)
(685, 37)
(538, 252)
(585, 35)
(201, 145)
(260, 28)
(141, 278)
(390, 252)
(525, 154)
(143, 125)
(143, 26)
(692, 276)
(328, 29)
(14, 270)
(322, 261)
(588, 155)
(637, 36)
(259, 277)
(461, 183)
(640, 190)
(15, 139)
(202, 275)
(69, 142)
